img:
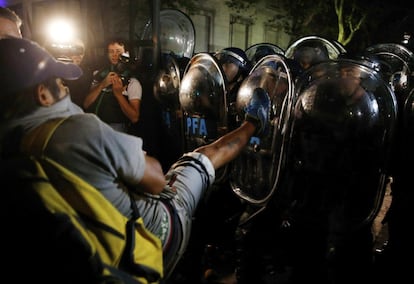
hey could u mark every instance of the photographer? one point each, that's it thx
(115, 96)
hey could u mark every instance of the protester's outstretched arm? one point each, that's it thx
(225, 149)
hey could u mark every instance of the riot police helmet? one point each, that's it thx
(258, 51)
(236, 56)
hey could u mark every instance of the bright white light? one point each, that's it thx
(60, 31)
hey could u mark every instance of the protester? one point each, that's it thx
(10, 23)
(112, 161)
(117, 105)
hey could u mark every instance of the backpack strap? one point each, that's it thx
(35, 142)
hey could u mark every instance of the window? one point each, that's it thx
(240, 31)
(272, 34)
(203, 24)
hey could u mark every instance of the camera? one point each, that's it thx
(124, 68)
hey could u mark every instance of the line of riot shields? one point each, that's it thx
(340, 129)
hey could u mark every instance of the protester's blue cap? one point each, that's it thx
(24, 63)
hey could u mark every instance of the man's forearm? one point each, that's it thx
(92, 96)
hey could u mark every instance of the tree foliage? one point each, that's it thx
(350, 22)
(239, 5)
(353, 23)
(336, 19)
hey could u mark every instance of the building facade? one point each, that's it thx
(216, 25)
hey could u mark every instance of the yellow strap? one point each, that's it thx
(34, 142)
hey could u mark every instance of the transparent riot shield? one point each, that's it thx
(409, 115)
(254, 174)
(177, 33)
(340, 137)
(203, 101)
(166, 91)
(202, 98)
(399, 73)
(177, 41)
(167, 82)
(399, 70)
(310, 50)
